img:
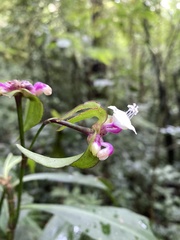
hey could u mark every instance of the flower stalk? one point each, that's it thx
(2, 200)
(81, 129)
(12, 215)
(18, 99)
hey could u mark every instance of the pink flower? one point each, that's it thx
(116, 123)
(40, 88)
(36, 89)
(101, 149)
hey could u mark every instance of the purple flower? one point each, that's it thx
(40, 88)
(116, 123)
(36, 89)
(101, 149)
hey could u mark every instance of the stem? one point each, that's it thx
(2, 199)
(70, 125)
(18, 99)
(61, 122)
(37, 134)
(12, 215)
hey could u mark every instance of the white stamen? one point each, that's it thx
(132, 111)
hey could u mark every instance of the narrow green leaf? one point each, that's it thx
(87, 110)
(83, 160)
(101, 222)
(10, 162)
(87, 180)
(4, 216)
(57, 229)
(27, 229)
(84, 106)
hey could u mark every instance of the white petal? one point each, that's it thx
(121, 119)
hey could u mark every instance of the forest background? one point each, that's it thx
(117, 53)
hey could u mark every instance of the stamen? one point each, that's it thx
(132, 111)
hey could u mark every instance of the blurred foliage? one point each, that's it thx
(116, 52)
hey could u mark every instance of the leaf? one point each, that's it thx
(34, 108)
(10, 162)
(84, 106)
(87, 180)
(104, 55)
(34, 112)
(57, 229)
(27, 229)
(4, 216)
(101, 222)
(87, 110)
(83, 160)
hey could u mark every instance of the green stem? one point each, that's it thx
(61, 122)
(11, 225)
(36, 136)
(18, 99)
(2, 199)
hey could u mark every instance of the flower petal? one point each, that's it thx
(40, 88)
(95, 148)
(105, 152)
(121, 119)
(36, 89)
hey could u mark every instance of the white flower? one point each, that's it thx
(121, 119)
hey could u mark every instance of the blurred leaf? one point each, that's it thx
(57, 229)
(27, 229)
(10, 162)
(31, 165)
(104, 55)
(87, 180)
(55, 114)
(4, 216)
(101, 222)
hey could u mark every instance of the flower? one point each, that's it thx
(97, 150)
(114, 124)
(36, 89)
(40, 88)
(105, 152)
(121, 120)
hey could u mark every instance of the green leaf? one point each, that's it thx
(57, 229)
(4, 216)
(10, 162)
(34, 112)
(87, 180)
(104, 55)
(34, 108)
(27, 229)
(101, 222)
(87, 110)
(83, 160)
(84, 106)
